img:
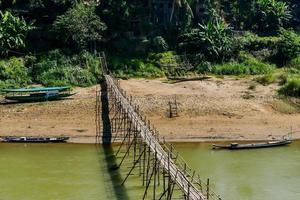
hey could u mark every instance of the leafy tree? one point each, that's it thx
(185, 14)
(215, 40)
(13, 31)
(288, 46)
(269, 15)
(39, 9)
(237, 12)
(116, 15)
(80, 26)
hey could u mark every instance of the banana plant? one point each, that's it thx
(270, 15)
(13, 32)
(216, 34)
(213, 39)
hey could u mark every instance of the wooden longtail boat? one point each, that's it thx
(35, 139)
(37, 94)
(234, 146)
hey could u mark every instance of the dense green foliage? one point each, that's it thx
(80, 26)
(269, 15)
(13, 73)
(155, 65)
(215, 40)
(142, 39)
(13, 31)
(58, 69)
(159, 44)
(291, 87)
(288, 46)
(248, 66)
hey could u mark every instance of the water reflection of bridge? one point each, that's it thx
(163, 172)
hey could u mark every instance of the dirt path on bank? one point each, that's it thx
(215, 109)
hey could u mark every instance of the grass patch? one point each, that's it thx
(164, 60)
(252, 86)
(247, 65)
(266, 79)
(126, 68)
(252, 67)
(154, 66)
(291, 87)
(285, 106)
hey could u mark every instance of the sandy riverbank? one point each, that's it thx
(216, 109)
(74, 117)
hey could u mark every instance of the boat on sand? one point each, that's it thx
(36, 94)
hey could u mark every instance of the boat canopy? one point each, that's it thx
(35, 89)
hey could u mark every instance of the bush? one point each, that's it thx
(13, 31)
(266, 79)
(291, 88)
(146, 70)
(288, 47)
(13, 73)
(57, 68)
(214, 40)
(253, 42)
(164, 60)
(75, 76)
(158, 44)
(134, 67)
(250, 66)
(80, 26)
(280, 49)
(287, 74)
(295, 63)
(269, 15)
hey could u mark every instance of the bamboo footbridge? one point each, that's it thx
(160, 167)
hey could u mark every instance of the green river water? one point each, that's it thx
(80, 172)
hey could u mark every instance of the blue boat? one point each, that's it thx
(37, 94)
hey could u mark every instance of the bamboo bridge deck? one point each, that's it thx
(139, 134)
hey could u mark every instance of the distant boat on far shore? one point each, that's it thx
(234, 146)
(13, 139)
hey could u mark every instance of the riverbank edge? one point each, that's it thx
(93, 140)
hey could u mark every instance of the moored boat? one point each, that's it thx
(36, 94)
(234, 146)
(35, 139)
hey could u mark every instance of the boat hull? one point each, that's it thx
(35, 139)
(36, 98)
(237, 146)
